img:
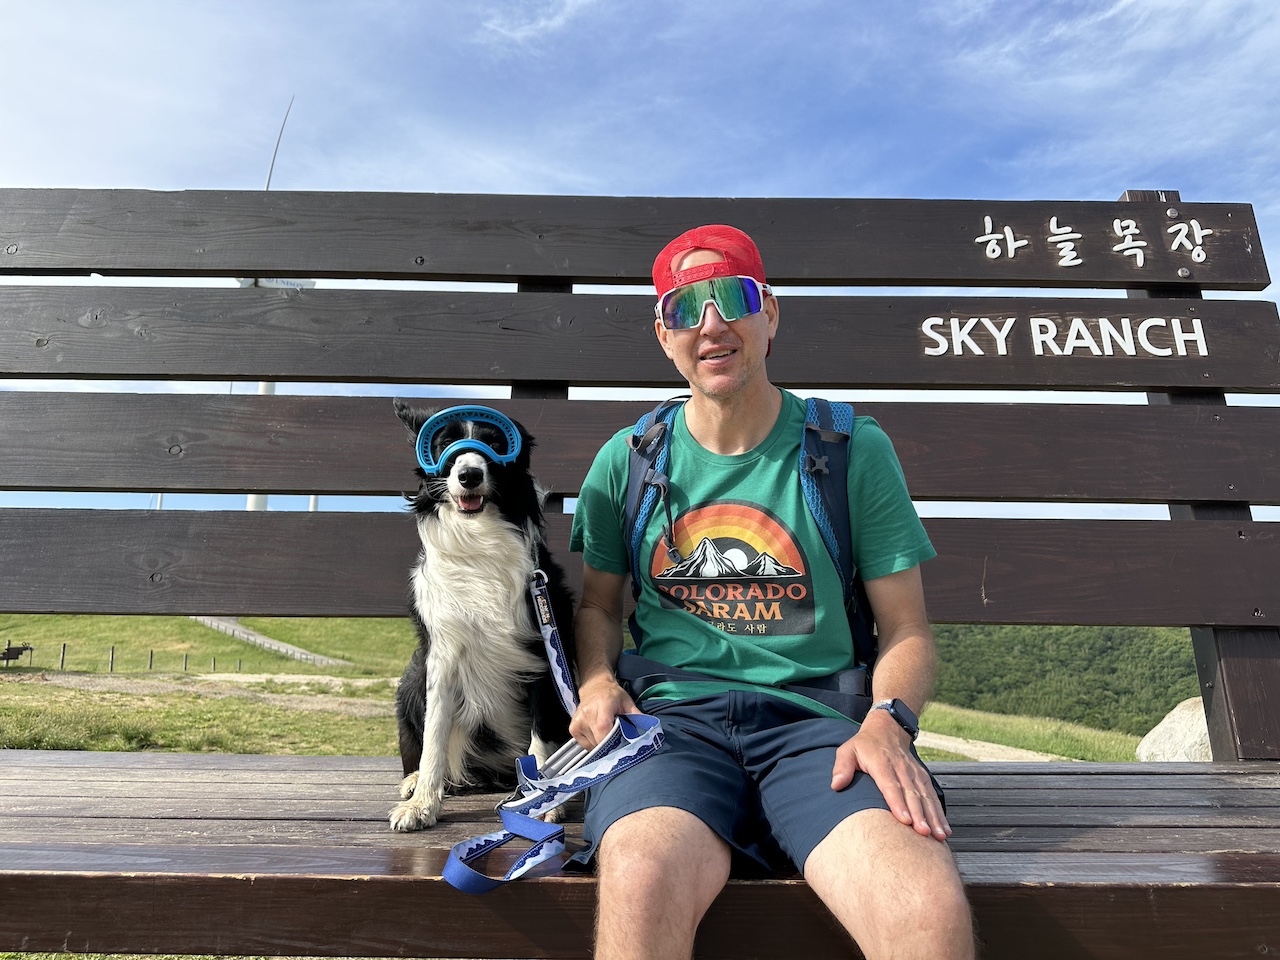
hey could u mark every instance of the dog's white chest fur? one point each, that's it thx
(470, 589)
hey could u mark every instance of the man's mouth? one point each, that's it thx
(717, 354)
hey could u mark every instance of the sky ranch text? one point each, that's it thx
(1065, 336)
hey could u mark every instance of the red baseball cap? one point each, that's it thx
(741, 258)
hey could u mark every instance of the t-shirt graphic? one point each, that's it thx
(740, 569)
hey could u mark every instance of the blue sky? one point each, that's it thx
(1005, 99)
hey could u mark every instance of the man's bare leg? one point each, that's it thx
(659, 870)
(897, 893)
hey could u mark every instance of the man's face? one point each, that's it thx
(719, 358)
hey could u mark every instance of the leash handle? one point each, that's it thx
(631, 740)
(567, 772)
(560, 671)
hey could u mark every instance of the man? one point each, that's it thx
(747, 595)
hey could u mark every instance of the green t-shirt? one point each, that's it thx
(754, 597)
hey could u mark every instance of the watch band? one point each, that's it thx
(901, 713)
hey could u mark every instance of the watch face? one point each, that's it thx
(902, 713)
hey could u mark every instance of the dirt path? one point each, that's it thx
(979, 749)
(311, 696)
(320, 693)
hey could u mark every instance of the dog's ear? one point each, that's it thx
(412, 417)
(526, 445)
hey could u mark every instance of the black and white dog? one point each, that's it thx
(477, 693)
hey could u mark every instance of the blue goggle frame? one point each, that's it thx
(434, 467)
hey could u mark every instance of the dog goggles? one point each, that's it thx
(681, 308)
(435, 465)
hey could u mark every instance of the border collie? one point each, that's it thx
(477, 693)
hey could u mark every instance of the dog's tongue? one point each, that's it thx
(470, 504)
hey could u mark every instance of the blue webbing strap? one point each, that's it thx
(568, 772)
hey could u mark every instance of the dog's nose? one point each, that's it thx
(470, 477)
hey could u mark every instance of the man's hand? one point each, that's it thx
(600, 699)
(880, 749)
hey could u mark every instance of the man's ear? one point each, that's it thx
(664, 338)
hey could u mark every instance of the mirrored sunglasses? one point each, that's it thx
(735, 297)
(435, 464)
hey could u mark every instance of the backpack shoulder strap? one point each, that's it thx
(650, 443)
(824, 467)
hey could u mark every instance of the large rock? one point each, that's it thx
(1182, 735)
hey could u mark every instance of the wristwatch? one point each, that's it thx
(902, 713)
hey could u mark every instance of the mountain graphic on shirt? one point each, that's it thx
(707, 562)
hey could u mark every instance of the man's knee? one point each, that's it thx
(665, 845)
(891, 888)
(659, 871)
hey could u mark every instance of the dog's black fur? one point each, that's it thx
(478, 690)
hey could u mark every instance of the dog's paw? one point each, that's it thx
(409, 816)
(408, 785)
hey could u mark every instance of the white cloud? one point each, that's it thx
(528, 21)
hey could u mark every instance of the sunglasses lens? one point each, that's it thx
(734, 297)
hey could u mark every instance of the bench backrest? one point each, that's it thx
(1184, 447)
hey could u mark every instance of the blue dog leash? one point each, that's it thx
(568, 772)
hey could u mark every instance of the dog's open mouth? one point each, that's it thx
(470, 503)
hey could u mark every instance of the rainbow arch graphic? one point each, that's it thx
(731, 521)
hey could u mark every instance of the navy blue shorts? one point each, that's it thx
(755, 768)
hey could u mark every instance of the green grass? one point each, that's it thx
(37, 715)
(1031, 733)
(378, 648)
(932, 755)
(41, 716)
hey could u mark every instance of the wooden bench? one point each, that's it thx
(291, 856)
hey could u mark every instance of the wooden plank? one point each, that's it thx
(407, 337)
(598, 239)
(319, 808)
(355, 445)
(266, 799)
(1102, 572)
(968, 837)
(344, 915)
(1111, 573)
(351, 887)
(1193, 838)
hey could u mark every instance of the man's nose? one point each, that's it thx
(712, 322)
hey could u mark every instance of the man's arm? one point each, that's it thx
(904, 669)
(598, 638)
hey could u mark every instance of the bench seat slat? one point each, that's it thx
(117, 878)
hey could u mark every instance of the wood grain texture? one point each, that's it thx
(592, 339)
(602, 239)
(1110, 573)
(1047, 853)
(356, 445)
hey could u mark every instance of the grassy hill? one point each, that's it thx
(1109, 678)
(1119, 680)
